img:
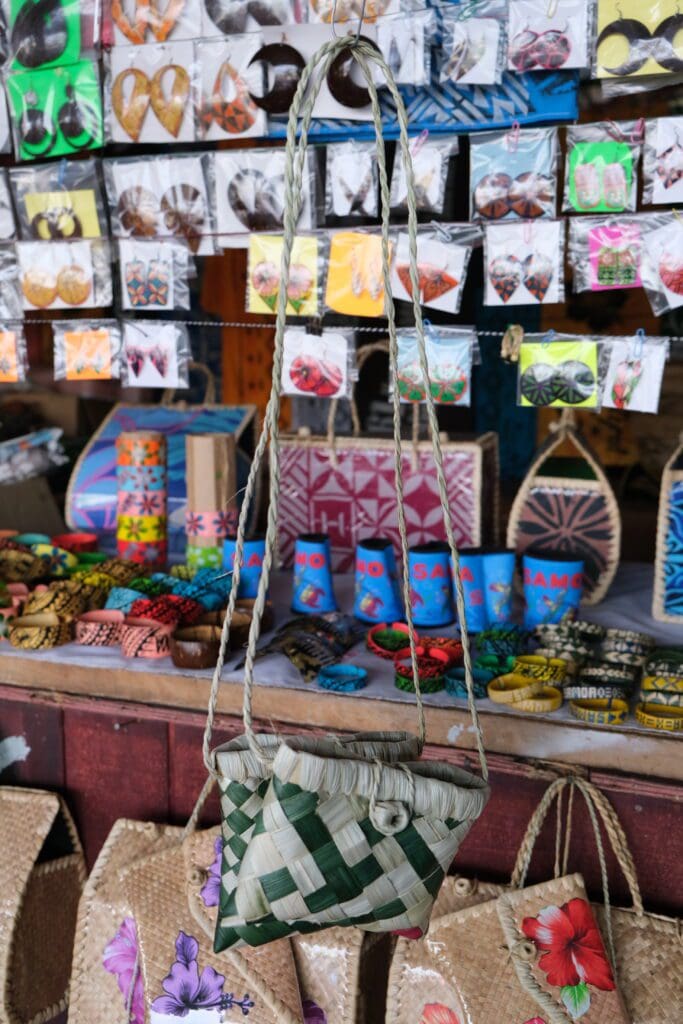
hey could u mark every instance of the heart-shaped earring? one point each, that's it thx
(135, 358)
(131, 113)
(538, 275)
(505, 276)
(170, 109)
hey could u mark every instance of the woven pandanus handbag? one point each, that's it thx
(357, 832)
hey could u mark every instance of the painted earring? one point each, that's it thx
(288, 65)
(58, 223)
(183, 210)
(78, 122)
(38, 133)
(665, 36)
(230, 18)
(170, 110)
(131, 113)
(233, 116)
(135, 31)
(39, 34)
(257, 201)
(340, 82)
(632, 31)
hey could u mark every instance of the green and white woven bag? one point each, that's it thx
(353, 831)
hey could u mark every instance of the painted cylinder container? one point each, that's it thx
(252, 563)
(431, 584)
(313, 586)
(553, 587)
(473, 585)
(499, 574)
(377, 595)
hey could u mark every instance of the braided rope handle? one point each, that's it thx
(366, 55)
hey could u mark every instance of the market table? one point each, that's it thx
(123, 738)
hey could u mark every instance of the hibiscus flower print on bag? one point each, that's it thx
(574, 957)
(437, 1013)
(120, 958)
(187, 989)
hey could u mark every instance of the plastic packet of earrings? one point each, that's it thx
(355, 281)
(11, 305)
(474, 42)
(303, 283)
(5, 126)
(524, 263)
(64, 275)
(662, 261)
(347, 12)
(450, 352)
(156, 354)
(86, 349)
(636, 38)
(632, 370)
(228, 79)
(57, 111)
(443, 256)
(231, 17)
(351, 182)
(318, 365)
(549, 36)
(663, 161)
(8, 226)
(513, 174)
(149, 93)
(559, 370)
(405, 41)
(163, 197)
(59, 201)
(154, 274)
(605, 252)
(136, 22)
(50, 33)
(601, 169)
(13, 354)
(431, 160)
(250, 194)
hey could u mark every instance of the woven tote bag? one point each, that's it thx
(42, 872)
(667, 598)
(348, 837)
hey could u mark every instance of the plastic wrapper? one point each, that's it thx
(64, 275)
(264, 278)
(136, 22)
(549, 36)
(59, 201)
(250, 193)
(8, 227)
(13, 354)
(605, 252)
(349, 11)
(632, 372)
(351, 185)
(558, 370)
(404, 41)
(56, 112)
(11, 305)
(226, 77)
(474, 44)
(601, 169)
(662, 261)
(230, 17)
(318, 365)
(450, 353)
(355, 285)
(637, 38)
(156, 354)
(5, 127)
(663, 161)
(513, 174)
(431, 158)
(162, 197)
(31, 455)
(524, 263)
(443, 256)
(154, 275)
(50, 33)
(86, 349)
(150, 93)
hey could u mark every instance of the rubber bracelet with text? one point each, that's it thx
(604, 692)
(549, 698)
(657, 716)
(533, 666)
(600, 712)
(510, 689)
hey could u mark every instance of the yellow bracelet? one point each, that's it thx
(667, 684)
(548, 670)
(600, 712)
(656, 716)
(509, 689)
(549, 699)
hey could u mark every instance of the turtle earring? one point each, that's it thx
(37, 131)
(78, 122)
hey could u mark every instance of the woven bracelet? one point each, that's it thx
(656, 716)
(342, 678)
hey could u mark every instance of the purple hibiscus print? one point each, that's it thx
(120, 958)
(313, 1014)
(187, 990)
(211, 890)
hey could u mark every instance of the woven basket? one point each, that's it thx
(667, 598)
(42, 872)
(566, 506)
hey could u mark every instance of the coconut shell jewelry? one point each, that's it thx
(573, 383)
(229, 17)
(505, 275)
(79, 122)
(287, 64)
(537, 384)
(257, 201)
(138, 211)
(659, 45)
(492, 196)
(234, 116)
(340, 81)
(530, 195)
(55, 223)
(39, 34)
(37, 131)
(183, 212)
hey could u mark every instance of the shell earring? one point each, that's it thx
(37, 131)
(78, 122)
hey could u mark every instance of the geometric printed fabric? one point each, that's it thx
(673, 555)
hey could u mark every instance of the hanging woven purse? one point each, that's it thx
(321, 834)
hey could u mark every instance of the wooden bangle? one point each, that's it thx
(99, 629)
(549, 698)
(657, 716)
(141, 638)
(509, 689)
(39, 632)
(600, 712)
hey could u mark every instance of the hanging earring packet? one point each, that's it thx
(64, 275)
(136, 22)
(155, 355)
(558, 371)
(264, 279)
(662, 261)
(450, 354)
(59, 201)
(250, 191)
(13, 354)
(431, 158)
(602, 166)
(351, 184)
(663, 161)
(86, 349)
(11, 299)
(633, 369)
(231, 17)
(443, 255)
(549, 36)
(637, 37)
(405, 43)
(348, 12)
(513, 174)
(318, 365)
(5, 126)
(154, 275)
(8, 227)
(474, 42)
(150, 93)
(56, 112)
(355, 285)
(228, 76)
(605, 253)
(524, 263)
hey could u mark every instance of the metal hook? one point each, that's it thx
(360, 22)
(513, 137)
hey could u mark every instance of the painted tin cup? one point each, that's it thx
(252, 563)
(553, 587)
(313, 585)
(499, 573)
(473, 585)
(431, 586)
(377, 595)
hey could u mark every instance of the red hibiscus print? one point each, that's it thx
(437, 1013)
(572, 947)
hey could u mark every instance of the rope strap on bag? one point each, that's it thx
(302, 106)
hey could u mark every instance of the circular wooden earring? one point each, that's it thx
(288, 65)
(665, 51)
(56, 223)
(37, 132)
(78, 122)
(633, 32)
(340, 82)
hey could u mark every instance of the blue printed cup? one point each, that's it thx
(431, 584)
(472, 576)
(553, 587)
(377, 596)
(252, 564)
(499, 574)
(313, 585)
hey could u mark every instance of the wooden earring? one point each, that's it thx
(288, 65)
(170, 110)
(131, 113)
(633, 32)
(665, 51)
(340, 82)
(234, 116)
(135, 31)
(78, 122)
